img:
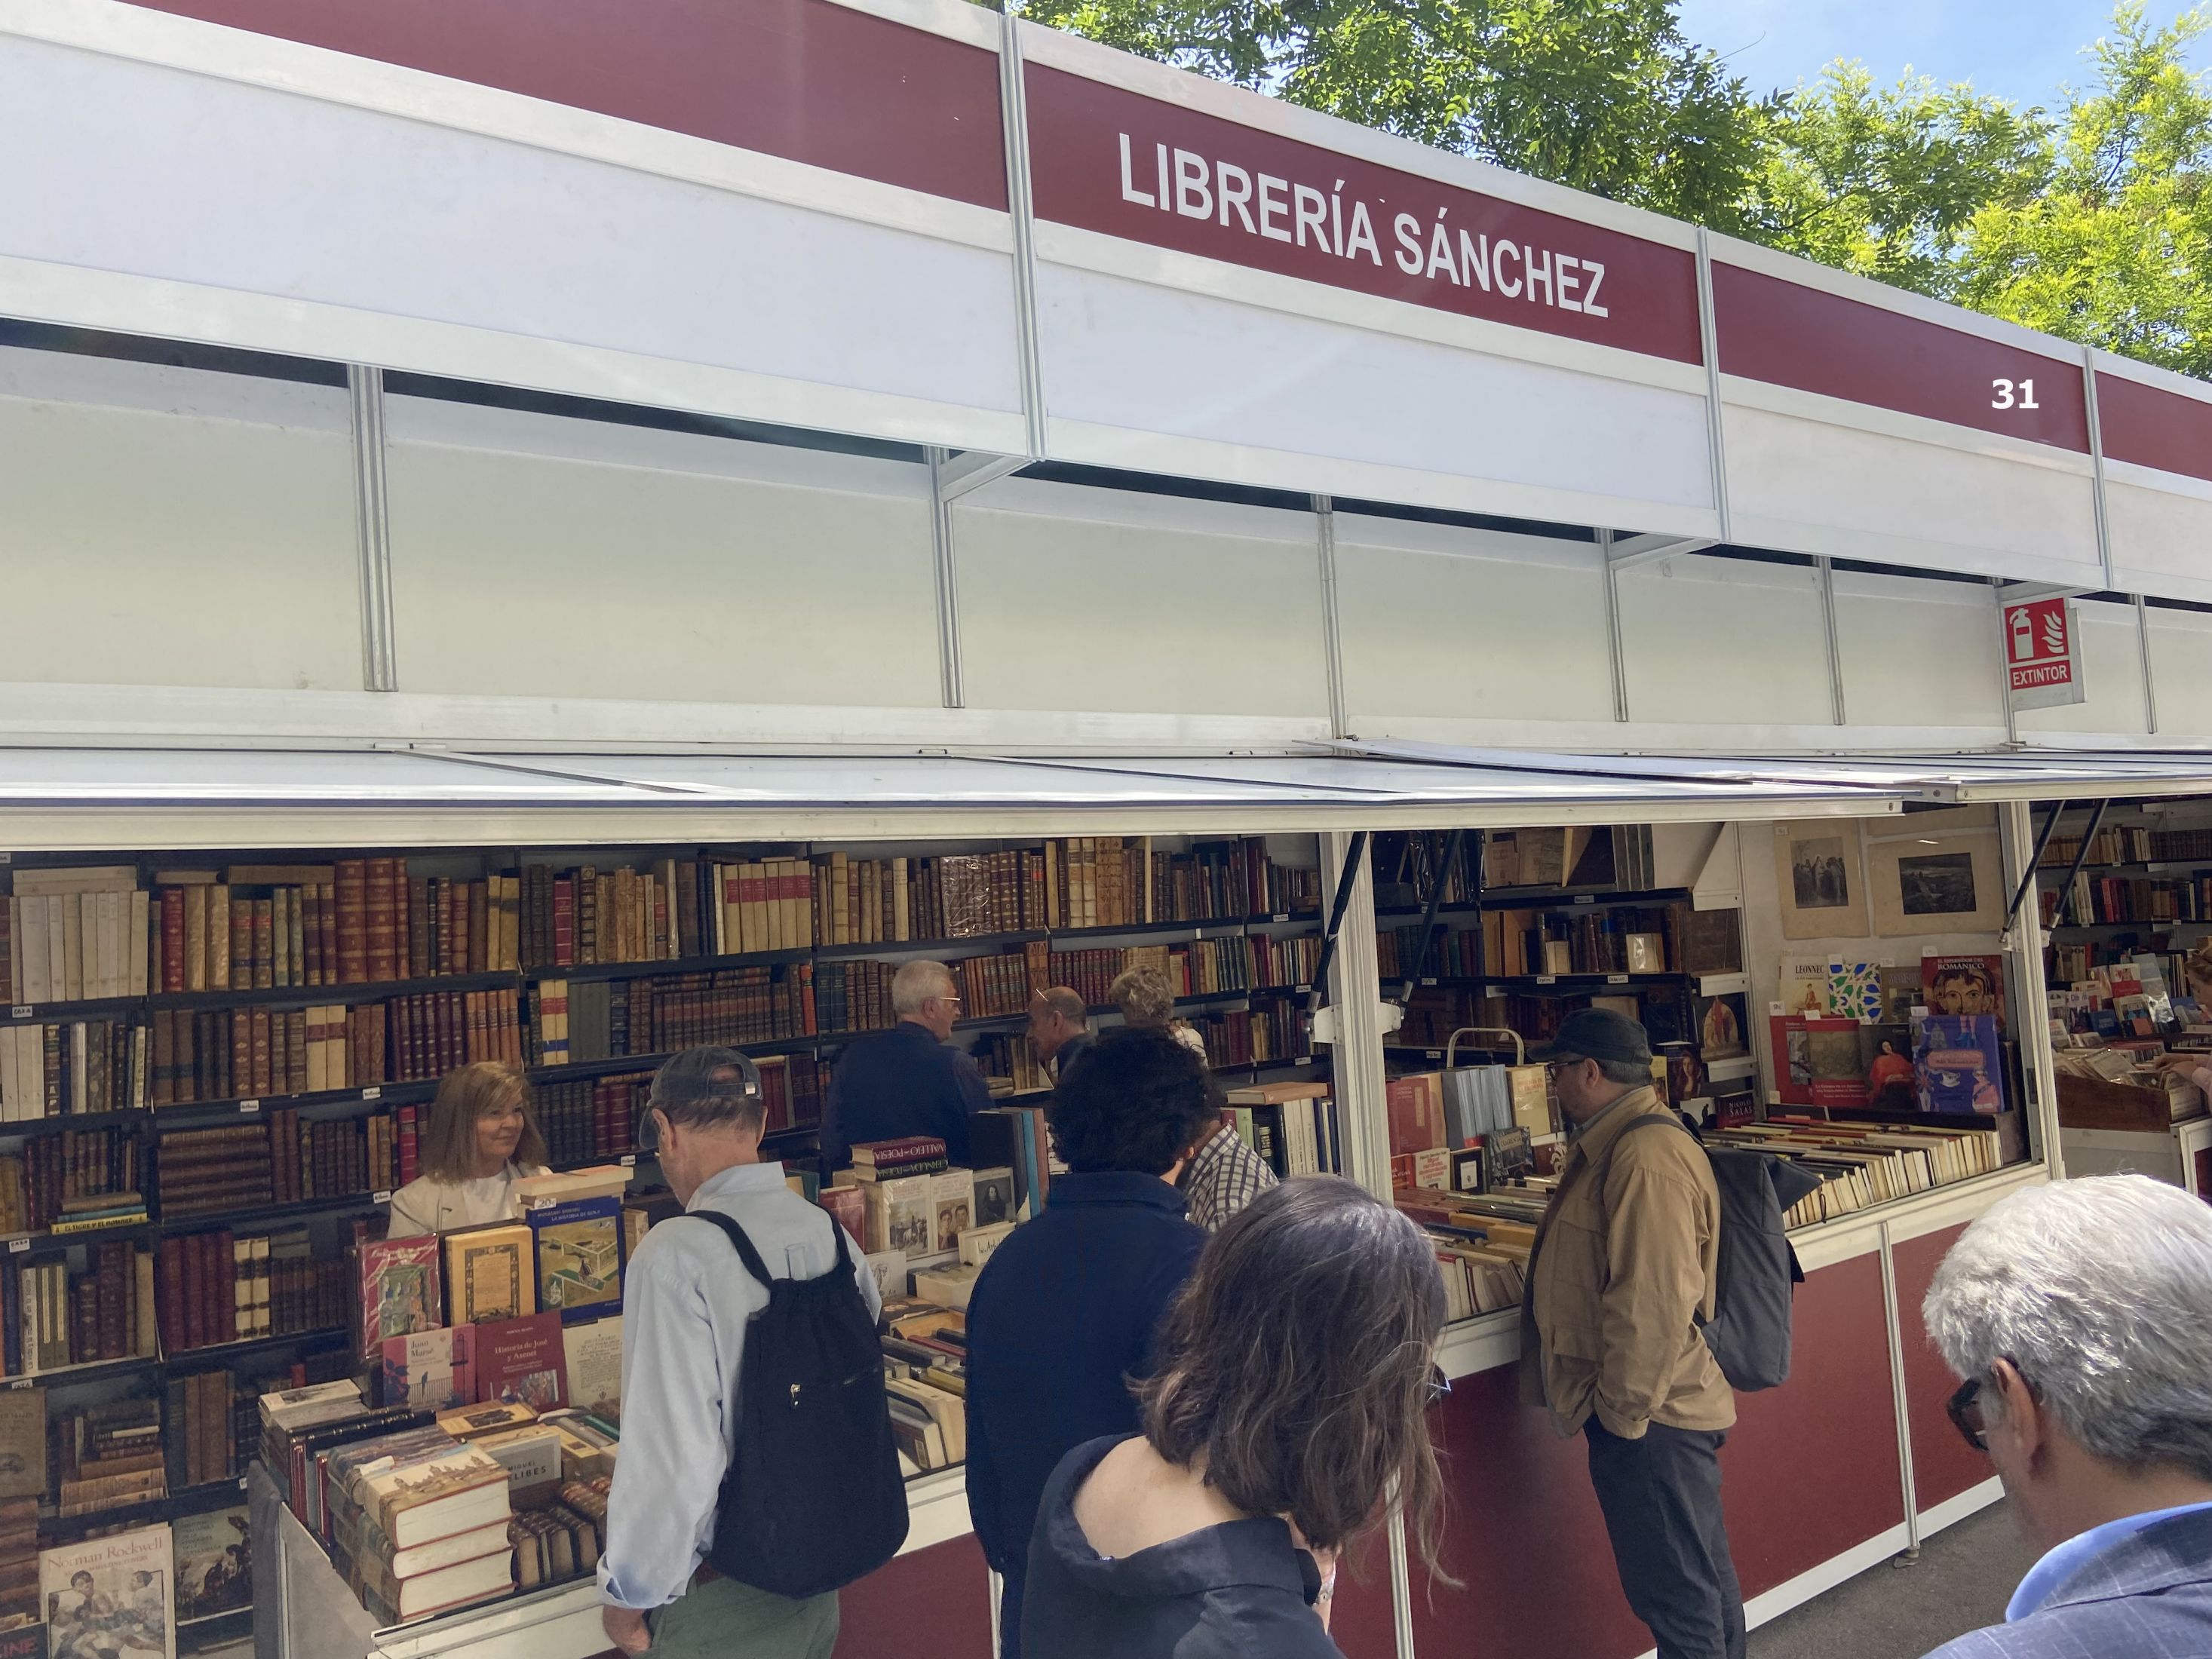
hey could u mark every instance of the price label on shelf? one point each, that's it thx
(21, 1381)
(242, 1483)
(1436, 1053)
(247, 1107)
(21, 1010)
(1302, 990)
(1430, 981)
(1302, 1060)
(381, 1198)
(628, 1160)
(372, 1094)
(1616, 979)
(1547, 979)
(1286, 917)
(17, 1246)
(1585, 898)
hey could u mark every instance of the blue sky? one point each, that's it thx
(2018, 49)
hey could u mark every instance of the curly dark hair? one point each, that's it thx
(1134, 1100)
(1296, 1364)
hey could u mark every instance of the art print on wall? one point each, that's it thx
(1821, 878)
(1936, 885)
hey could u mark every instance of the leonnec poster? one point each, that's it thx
(2043, 654)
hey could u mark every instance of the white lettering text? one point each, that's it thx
(1129, 191)
(1409, 243)
(1499, 249)
(1273, 207)
(1193, 200)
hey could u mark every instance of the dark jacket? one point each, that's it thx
(890, 1084)
(1063, 1312)
(1238, 1591)
(2148, 1596)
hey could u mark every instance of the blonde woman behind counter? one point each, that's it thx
(481, 1135)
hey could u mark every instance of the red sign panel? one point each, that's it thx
(2152, 427)
(1108, 159)
(2043, 662)
(803, 79)
(1787, 334)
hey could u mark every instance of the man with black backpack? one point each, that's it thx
(758, 1470)
(1624, 1275)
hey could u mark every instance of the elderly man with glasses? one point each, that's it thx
(2080, 1315)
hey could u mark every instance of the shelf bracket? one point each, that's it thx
(1626, 552)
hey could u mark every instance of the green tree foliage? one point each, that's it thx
(1886, 180)
(2115, 247)
(1604, 96)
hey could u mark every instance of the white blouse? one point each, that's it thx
(428, 1205)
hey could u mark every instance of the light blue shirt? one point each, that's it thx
(685, 1304)
(2045, 1577)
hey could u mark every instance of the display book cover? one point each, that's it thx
(491, 1274)
(579, 1252)
(110, 1595)
(433, 1369)
(1959, 1063)
(399, 1290)
(523, 1361)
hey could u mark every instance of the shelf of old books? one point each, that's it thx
(214, 1073)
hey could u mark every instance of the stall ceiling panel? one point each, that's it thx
(1766, 664)
(2111, 672)
(2181, 664)
(622, 262)
(1918, 654)
(164, 526)
(653, 564)
(1440, 624)
(1104, 601)
(826, 84)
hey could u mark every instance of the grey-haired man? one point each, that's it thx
(2080, 1314)
(685, 1307)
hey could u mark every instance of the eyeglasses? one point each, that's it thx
(1439, 1384)
(1965, 1409)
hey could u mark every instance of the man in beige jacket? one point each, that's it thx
(1622, 1276)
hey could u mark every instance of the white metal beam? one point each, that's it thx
(1628, 551)
(971, 469)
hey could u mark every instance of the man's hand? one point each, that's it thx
(625, 1628)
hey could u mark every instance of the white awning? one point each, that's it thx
(1952, 779)
(54, 798)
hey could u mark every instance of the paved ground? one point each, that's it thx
(1964, 1577)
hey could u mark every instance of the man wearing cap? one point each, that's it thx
(1624, 1271)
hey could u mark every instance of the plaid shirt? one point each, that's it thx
(1224, 1177)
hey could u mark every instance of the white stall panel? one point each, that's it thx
(2156, 430)
(2181, 667)
(1442, 625)
(652, 565)
(1724, 641)
(1144, 376)
(1821, 486)
(1920, 653)
(190, 202)
(1100, 600)
(2111, 671)
(166, 527)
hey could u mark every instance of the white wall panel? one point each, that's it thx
(2162, 535)
(2112, 671)
(166, 527)
(538, 557)
(1078, 598)
(1139, 375)
(1918, 652)
(1440, 623)
(1811, 486)
(452, 251)
(2181, 667)
(1723, 642)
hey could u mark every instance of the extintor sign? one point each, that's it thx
(2043, 655)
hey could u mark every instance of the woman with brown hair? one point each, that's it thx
(1288, 1409)
(481, 1135)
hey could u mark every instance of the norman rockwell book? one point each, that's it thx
(110, 1596)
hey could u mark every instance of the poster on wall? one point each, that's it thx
(1821, 878)
(1936, 885)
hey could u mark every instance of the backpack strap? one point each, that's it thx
(839, 1240)
(746, 1253)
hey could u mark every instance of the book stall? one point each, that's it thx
(553, 556)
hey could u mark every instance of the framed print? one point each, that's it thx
(1936, 885)
(1822, 879)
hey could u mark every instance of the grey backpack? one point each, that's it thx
(1749, 1331)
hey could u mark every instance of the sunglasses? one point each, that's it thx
(1964, 1408)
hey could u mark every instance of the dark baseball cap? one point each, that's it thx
(1599, 1034)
